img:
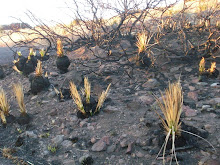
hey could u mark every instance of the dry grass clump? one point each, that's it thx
(171, 106)
(4, 105)
(141, 42)
(18, 91)
(42, 52)
(60, 51)
(2, 116)
(202, 65)
(76, 98)
(39, 70)
(87, 92)
(102, 98)
(212, 68)
(87, 87)
(32, 52)
(19, 53)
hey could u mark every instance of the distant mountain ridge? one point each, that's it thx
(15, 26)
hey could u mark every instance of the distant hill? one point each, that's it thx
(15, 26)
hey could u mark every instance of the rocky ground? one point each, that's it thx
(127, 130)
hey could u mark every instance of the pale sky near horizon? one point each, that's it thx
(47, 10)
(44, 9)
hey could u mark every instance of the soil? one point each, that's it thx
(126, 131)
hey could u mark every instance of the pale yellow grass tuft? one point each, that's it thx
(59, 48)
(202, 65)
(87, 87)
(42, 52)
(18, 91)
(32, 52)
(2, 116)
(76, 97)
(4, 106)
(171, 106)
(141, 42)
(16, 69)
(102, 98)
(39, 70)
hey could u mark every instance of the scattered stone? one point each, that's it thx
(83, 123)
(54, 74)
(99, 52)
(212, 162)
(30, 134)
(174, 69)
(139, 154)
(73, 76)
(53, 112)
(90, 127)
(202, 83)
(124, 44)
(129, 149)
(188, 69)
(121, 161)
(52, 94)
(210, 128)
(205, 107)
(189, 112)
(199, 105)
(110, 109)
(193, 96)
(192, 88)
(214, 85)
(101, 145)
(214, 101)
(124, 143)
(93, 140)
(34, 97)
(151, 83)
(74, 118)
(133, 105)
(68, 162)
(66, 144)
(146, 99)
(111, 148)
(58, 140)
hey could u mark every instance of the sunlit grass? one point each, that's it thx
(4, 105)
(18, 91)
(39, 70)
(76, 97)
(102, 98)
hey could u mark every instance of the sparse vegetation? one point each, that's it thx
(171, 106)
(39, 70)
(143, 47)
(4, 105)
(18, 91)
(86, 108)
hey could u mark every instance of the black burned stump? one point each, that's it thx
(143, 61)
(39, 83)
(90, 109)
(63, 63)
(185, 140)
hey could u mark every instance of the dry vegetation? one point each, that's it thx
(177, 41)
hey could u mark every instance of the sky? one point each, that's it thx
(47, 10)
(44, 9)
